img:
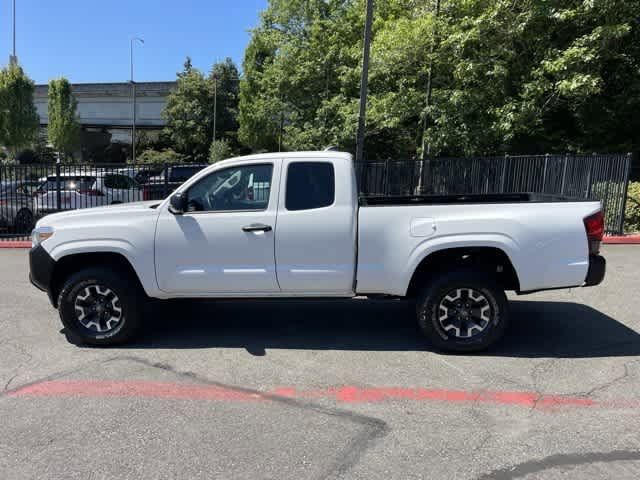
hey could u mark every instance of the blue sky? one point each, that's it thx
(88, 40)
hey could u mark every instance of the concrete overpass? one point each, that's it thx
(105, 113)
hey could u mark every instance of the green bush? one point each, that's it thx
(632, 209)
(219, 150)
(160, 156)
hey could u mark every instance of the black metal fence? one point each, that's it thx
(598, 177)
(28, 192)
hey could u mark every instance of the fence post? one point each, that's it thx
(544, 172)
(58, 195)
(564, 172)
(386, 177)
(625, 192)
(165, 169)
(590, 175)
(504, 172)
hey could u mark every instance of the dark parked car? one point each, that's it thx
(16, 206)
(170, 178)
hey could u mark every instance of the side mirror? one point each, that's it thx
(178, 203)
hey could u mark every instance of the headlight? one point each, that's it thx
(39, 235)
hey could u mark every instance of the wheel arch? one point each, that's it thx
(69, 264)
(490, 259)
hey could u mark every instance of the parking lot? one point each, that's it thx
(316, 389)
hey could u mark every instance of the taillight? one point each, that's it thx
(92, 193)
(594, 225)
(146, 194)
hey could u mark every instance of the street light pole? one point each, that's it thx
(364, 82)
(133, 99)
(215, 104)
(13, 60)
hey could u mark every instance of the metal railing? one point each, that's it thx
(598, 177)
(28, 192)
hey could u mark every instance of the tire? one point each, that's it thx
(23, 222)
(463, 311)
(99, 307)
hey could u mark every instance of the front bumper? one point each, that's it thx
(596, 272)
(41, 268)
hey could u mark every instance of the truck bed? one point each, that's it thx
(492, 198)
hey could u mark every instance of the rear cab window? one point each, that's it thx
(309, 185)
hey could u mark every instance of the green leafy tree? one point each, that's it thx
(63, 129)
(188, 114)
(529, 76)
(19, 120)
(190, 107)
(225, 79)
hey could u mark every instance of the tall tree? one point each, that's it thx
(63, 129)
(19, 120)
(225, 80)
(188, 114)
(190, 109)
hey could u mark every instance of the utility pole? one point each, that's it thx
(426, 147)
(364, 82)
(133, 99)
(215, 104)
(13, 59)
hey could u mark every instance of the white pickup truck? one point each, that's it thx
(293, 225)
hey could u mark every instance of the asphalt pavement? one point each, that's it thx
(318, 389)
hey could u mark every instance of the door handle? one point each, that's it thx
(257, 227)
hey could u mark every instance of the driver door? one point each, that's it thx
(224, 243)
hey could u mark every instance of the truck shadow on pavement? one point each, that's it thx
(538, 328)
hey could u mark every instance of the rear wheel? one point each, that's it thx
(97, 306)
(463, 311)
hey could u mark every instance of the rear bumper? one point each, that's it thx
(596, 272)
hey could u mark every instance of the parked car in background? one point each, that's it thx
(16, 206)
(141, 174)
(85, 191)
(171, 177)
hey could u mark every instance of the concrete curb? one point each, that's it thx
(15, 244)
(622, 240)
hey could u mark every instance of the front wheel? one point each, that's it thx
(463, 311)
(97, 306)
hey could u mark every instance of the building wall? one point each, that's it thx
(109, 104)
(105, 114)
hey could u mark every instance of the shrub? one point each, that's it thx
(160, 156)
(219, 150)
(632, 209)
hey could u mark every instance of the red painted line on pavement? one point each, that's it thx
(342, 394)
(622, 240)
(15, 244)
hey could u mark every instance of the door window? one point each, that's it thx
(309, 185)
(236, 188)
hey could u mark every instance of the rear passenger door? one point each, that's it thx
(316, 230)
